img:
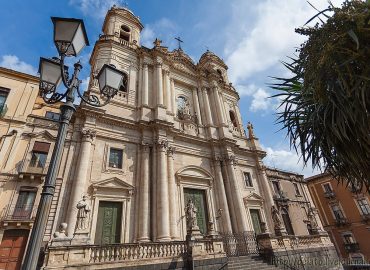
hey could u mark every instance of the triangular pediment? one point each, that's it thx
(42, 134)
(253, 197)
(112, 183)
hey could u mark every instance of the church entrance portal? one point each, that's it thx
(199, 198)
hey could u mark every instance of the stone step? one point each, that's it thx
(249, 262)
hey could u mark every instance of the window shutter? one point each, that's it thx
(41, 147)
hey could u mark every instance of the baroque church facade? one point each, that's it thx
(175, 134)
(129, 169)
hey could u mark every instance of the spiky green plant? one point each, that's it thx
(325, 104)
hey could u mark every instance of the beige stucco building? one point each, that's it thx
(130, 168)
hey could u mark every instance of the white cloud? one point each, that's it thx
(97, 8)
(271, 37)
(260, 97)
(164, 29)
(287, 160)
(13, 62)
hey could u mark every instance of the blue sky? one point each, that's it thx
(251, 36)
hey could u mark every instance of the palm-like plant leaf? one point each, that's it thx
(326, 102)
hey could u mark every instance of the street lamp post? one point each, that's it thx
(69, 38)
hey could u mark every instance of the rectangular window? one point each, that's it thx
(23, 208)
(296, 188)
(39, 154)
(115, 158)
(337, 212)
(327, 188)
(248, 179)
(52, 115)
(3, 96)
(364, 206)
(348, 239)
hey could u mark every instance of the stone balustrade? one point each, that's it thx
(116, 255)
(289, 242)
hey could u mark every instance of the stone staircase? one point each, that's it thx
(249, 262)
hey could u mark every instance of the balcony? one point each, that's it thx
(329, 194)
(18, 213)
(341, 222)
(352, 247)
(281, 196)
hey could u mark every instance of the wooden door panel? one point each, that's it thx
(108, 228)
(12, 249)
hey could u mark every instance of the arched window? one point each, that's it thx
(221, 74)
(125, 33)
(233, 118)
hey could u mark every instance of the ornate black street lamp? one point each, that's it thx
(69, 38)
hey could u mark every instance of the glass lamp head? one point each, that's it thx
(50, 74)
(111, 80)
(69, 35)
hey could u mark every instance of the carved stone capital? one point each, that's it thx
(88, 134)
(231, 160)
(171, 151)
(145, 147)
(162, 145)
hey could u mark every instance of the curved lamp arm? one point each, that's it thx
(91, 99)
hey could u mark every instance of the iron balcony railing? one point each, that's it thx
(19, 212)
(329, 194)
(352, 247)
(341, 221)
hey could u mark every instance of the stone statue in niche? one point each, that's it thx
(312, 220)
(191, 215)
(83, 214)
(276, 218)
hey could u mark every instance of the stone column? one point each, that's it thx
(163, 226)
(159, 84)
(139, 89)
(172, 195)
(207, 107)
(168, 90)
(240, 211)
(145, 85)
(144, 220)
(79, 186)
(230, 197)
(225, 217)
(173, 96)
(196, 105)
(268, 196)
(218, 106)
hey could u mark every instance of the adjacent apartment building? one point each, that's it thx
(345, 214)
(27, 133)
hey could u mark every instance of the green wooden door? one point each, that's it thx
(199, 198)
(256, 220)
(108, 227)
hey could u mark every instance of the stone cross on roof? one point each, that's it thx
(180, 41)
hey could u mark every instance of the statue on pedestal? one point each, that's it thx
(278, 223)
(83, 214)
(191, 215)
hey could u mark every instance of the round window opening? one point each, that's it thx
(125, 28)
